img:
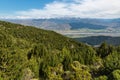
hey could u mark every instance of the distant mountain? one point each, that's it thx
(54, 26)
(70, 23)
(79, 25)
(43, 24)
(97, 40)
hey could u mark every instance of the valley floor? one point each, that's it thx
(78, 34)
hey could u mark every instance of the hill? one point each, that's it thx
(97, 40)
(29, 53)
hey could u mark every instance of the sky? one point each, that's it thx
(35, 9)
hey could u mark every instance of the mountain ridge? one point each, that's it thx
(101, 23)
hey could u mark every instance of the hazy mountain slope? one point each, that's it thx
(70, 23)
(80, 25)
(43, 24)
(54, 26)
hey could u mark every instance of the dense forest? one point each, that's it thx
(97, 40)
(29, 53)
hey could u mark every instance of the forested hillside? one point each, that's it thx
(97, 40)
(29, 53)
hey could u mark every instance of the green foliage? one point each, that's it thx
(4, 40)
(30, 53)
(112, 61)
(67, 59)
(104, 50)
(80, 72)
(102, 78)
(27, 74)
(116, 75)
(97, 40)
(55, 73)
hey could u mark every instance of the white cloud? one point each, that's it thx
(75, 8)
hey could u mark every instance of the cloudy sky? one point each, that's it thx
(27, 9)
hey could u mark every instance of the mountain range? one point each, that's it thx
(70, 23)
